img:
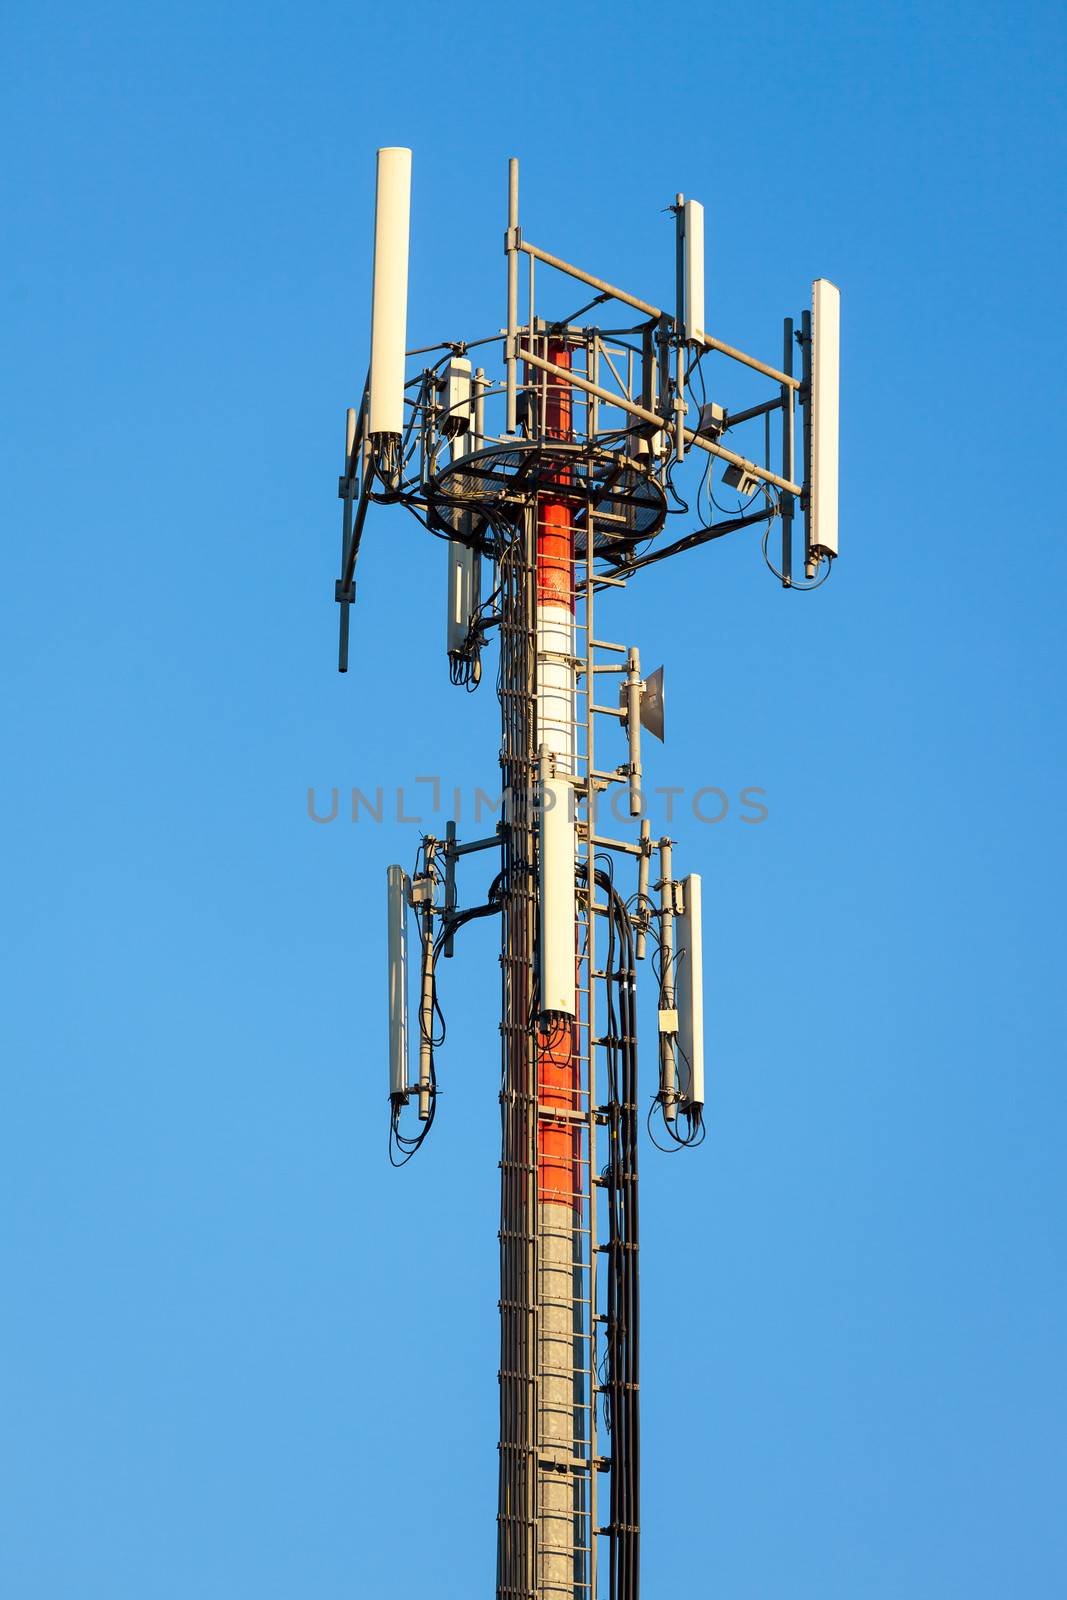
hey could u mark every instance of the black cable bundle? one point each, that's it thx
(623, 1285)
(403, 1146)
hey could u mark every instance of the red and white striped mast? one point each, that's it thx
(561, 1174)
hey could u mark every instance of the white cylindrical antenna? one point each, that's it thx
(350, 440)
(825, 391)
(641, 444)
(511, 245)
(693, 238)
(462, 599)
(479, 408)
(455, 399)
(668, 1016)
(390, 296)
(557, 893)
(691, 995)
(632, 706)
(363, 433)
(398, 983)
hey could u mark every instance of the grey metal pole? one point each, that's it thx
(640, 445)
(805, 394)
(748, 361)
(346, 532)
(633, 728)
(426, 997)
(642, 887)
(679, 324)
(479, 408)
(611, 290)
(735, 418)
(511, 246)
(450, 879)
(648, 369)
(667, 1072)
(787, 455)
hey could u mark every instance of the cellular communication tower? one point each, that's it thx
(548, 472)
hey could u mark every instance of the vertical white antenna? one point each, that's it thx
(480, 386)
(462, 597)
(398, 982)
(389, 302)
(825, 390)
(693, 238)
(463, 565)
(630, 694)
(511, 248)
(691, 993)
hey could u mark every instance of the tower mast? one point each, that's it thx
(568, 502)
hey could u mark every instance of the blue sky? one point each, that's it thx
(241, 1356)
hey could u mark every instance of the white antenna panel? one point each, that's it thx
(693, 237)
(690, 995)
(462, 593)
(389, 303)
(825, 404)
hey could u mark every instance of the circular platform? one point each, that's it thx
(627, 505)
